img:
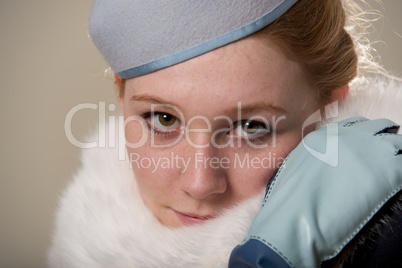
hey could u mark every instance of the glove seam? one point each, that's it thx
(274, 249)
(274, 180)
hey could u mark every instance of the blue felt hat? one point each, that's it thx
(137, 37)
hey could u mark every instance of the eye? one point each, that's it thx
(162, 122)
(251, 129)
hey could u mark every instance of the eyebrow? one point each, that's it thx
(151, 99)
(249, 108)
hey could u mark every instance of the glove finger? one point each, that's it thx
(390, 130)
(392, 141)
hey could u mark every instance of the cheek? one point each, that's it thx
(136, 132)
(156, 176)
(247, 182)
(153, 173)
(252, 170)
(155, 180)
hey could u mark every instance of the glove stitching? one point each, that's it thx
(351, 123)
(274, 180)
(273, 248)
(384, 134)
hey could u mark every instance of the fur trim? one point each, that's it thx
(102, 221)
(376, 98)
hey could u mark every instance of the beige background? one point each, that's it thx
(47, 66)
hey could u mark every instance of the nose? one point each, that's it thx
(205, 176)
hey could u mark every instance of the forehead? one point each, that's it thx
(246, 71)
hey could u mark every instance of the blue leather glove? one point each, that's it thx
(323, 195)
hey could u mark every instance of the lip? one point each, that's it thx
(192, 219)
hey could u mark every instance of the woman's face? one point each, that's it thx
(205, 134)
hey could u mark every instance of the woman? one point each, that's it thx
(215, 95)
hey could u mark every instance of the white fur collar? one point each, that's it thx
(374, 99)
(102, 221)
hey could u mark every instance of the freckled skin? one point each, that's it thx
(202, 89)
